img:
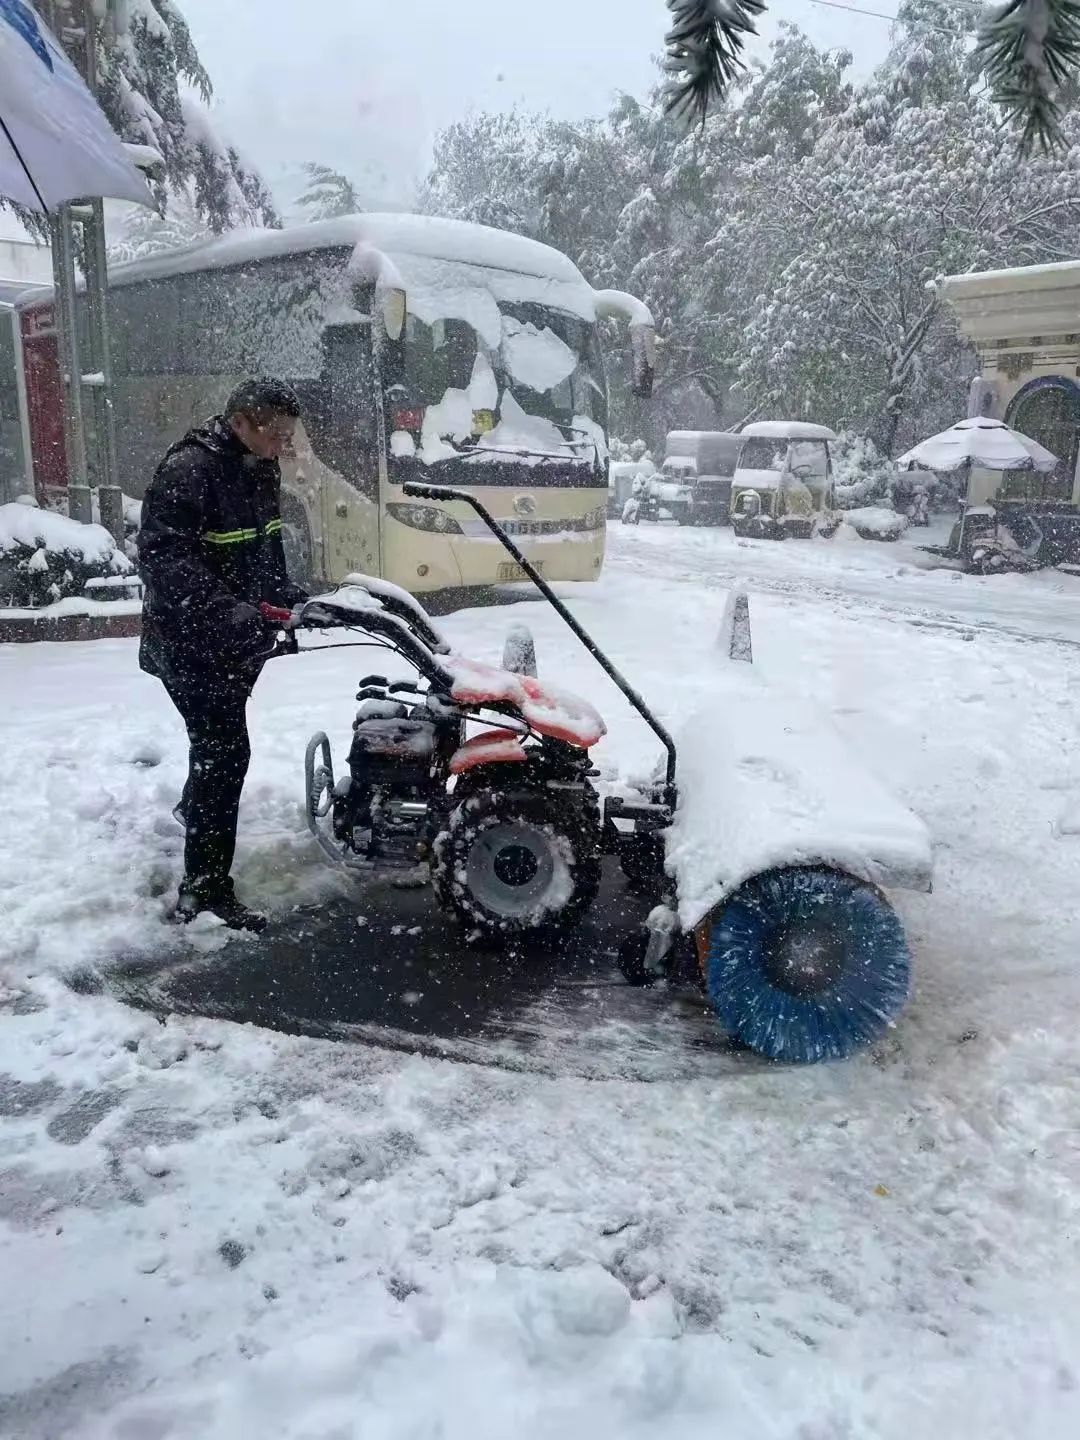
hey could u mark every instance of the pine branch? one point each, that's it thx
(188, 63)
(1027, 49)
(704, 48)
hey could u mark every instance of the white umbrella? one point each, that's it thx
(55, 142)
(988, 444)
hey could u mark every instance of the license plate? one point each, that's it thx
(509, 572)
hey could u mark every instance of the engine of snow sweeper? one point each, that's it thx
(481, 774)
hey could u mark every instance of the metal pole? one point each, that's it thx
(964, 509)
(63, 249)
(100, 379)
(97, 282)
(63, 257)
(73, 22)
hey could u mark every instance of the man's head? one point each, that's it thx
(263, 414)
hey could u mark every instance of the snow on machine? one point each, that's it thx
(766, 846)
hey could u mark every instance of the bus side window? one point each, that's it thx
(211, 326)
(344, 432)
(144, 338)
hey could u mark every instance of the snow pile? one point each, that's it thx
(523, 1351)
(538, 358)
(517, 429)
(28, 527)
(46, 557)
(875, 522)
(765, 780)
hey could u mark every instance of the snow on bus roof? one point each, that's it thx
(422, 236)
(787, 430)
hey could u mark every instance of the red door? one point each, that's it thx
(44, 400)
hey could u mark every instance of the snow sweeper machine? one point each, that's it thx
(767, 847)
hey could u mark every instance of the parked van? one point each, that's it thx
(783, 484)
(696, 475)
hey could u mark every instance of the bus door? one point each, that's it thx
(335, 473)
(44, 398)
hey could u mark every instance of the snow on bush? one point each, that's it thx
(875, 522)
(631, 452)
(862, 475)
(45, 557)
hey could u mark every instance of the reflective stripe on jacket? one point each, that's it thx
(210, 550)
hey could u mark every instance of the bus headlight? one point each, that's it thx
(432, 518)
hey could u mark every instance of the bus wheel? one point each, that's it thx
(296, 538)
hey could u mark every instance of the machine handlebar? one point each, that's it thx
(420, 490)
(277, 615)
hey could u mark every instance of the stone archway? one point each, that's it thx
(1047, 410)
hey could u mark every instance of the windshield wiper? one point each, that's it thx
(471, 449)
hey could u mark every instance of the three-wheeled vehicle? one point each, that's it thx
(697, 473)
(783, 483)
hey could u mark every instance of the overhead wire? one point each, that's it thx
(892, 19)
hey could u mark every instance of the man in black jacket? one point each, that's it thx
(210, 552)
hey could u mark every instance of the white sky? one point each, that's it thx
(364, 85)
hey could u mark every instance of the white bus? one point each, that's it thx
(421, 348)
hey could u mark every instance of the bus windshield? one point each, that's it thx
(536, 382)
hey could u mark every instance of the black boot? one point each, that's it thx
(219, 900)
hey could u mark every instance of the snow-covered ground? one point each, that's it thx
(208, 1230)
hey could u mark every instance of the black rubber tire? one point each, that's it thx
(541, 830)
(632, 951)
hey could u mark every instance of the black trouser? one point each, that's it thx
(214, 711)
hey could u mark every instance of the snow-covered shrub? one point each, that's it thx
(132, 522)
(862, 475)
(45, 557)
(943, 492)
(876, 522)
(631, 452)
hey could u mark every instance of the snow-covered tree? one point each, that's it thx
(139, 231)
(786, 245)
(850, 328)
(147, 64)
(484, 169)
(329, 193)
(792, 96)
(1028, 49)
